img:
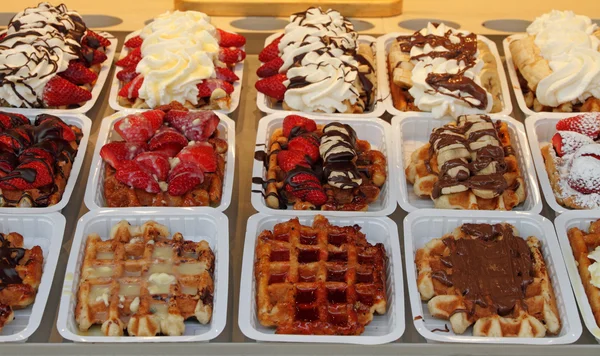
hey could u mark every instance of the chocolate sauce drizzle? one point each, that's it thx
(9, 259)
(339, 158)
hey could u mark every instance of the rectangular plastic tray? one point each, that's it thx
(383, 329)
(85, 124)
(373, 130)
(422, 226)
(46, 231)
(265, 105)
(412, 130)
(94, 193)
(203, 224)
(383, 45)
(116, 84)
(96, 90)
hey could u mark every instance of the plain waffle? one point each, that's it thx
(324, 279)
(142, 281)
(488, 276)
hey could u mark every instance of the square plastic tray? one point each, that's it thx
(196, 225)
(383, 329)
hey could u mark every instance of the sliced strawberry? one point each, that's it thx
(29, 175)
(2, 36)
(60, 92)
(95, 40)
(168, 138)
(195, 125)
(307, 144)
(155, 118)
(155, 164)
(36, 152)
(17, 139)
(51, 127)
(584, 175)
(587, 124)
(208, 86)
(131, 59)
(294, 125)
(272, 86)
(270, 68)
(115, 153)
(9, 120)
(231, 55)
(78, 74)
(92, 56)
(228, 39)
(8, 162)
(567, 142)
(127, 74)
(306, 187)
(132, 174)
(134, 42)
(134, 128)
(131, 89)
(226, 74)
(589, 150)
(201, 154)
(289, 160)
(271, 51)
(183, 178)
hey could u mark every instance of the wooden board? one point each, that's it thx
(350, 8)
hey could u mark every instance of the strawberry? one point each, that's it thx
(61, 92)
(306, 187)
(36, 152)
(17, 139)
(154, 163)
(183, 178)
(131, 89)
(231, 55)
(115, 153)
(78, 74)
(307, 144)
(29, 175)
(131, 59)
(155, 118)
(567, 142)
(201, 154)
(228, 39)
(134, 128)
(8, 162)
(293, 125)
(270, 68)
(2, 36)
(272, 86)
(589, 150)
(289, 160)
(168, 138)
(206, 88)
(584, 175)
(586, 124)
(271, 51)
(195, 125)
(9, 120)
(226, 74)
(134, 42)
(51, 127)
(92, 56)
(94, 40)
(132, 174)
(127, 74)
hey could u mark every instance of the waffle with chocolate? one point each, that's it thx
(20, 275)
(311, 166)
(586, 251)
(319, 280)
(487, 276)
(144, 282)
(468, 164)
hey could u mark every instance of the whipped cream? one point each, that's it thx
(40, 42)
(178, 53)
(594, 268)
(443, 101)
(568, 43)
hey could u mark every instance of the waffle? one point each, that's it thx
(566, 197)
(583, 244)
(319, 280)
(142, 281)
(20, 275)
(513, 295)
(468, 164)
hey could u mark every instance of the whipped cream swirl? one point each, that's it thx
(568, 43)
(178, 53)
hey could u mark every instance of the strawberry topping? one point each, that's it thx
(228, 39)
(134, 42)
(307, 144)
(195, 125)
(77, 73)
(272, 86)
(208, 86)
(202, 154)
(271, 51)
(586, 124)
(131, 173)
(288, 160)
(226, 74)
(131, 59)
(293, 125)
(155, 164)
(61, 92)
(231, 55)
(567, 142)
(183, 178)
(169, 139)
(115, 153)
(584, 175)
(270, 68)
(305, 186)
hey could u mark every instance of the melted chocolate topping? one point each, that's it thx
(9, 259)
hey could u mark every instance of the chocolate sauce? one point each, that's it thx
(444, 330)
(9, 259)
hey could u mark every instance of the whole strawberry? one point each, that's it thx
(293, 125)
(567, 142)
(272, 86)
(586, 124)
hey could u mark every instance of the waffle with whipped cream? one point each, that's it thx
(144, 282)
(319, 65)
(468, 164)
(556, 72)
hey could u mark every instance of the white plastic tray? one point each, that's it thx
(46, 231)
(374, 130)
(383, 46)
(563, 223)
(116, 84)
(424, 225)
(96, 90)
(94, 193)
(196, 225)
(383, 329)
(412, 130)
(78, 120)
(265, 105)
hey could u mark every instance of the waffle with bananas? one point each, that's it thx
(468, 164)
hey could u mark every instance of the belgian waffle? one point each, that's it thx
(583, 245)
(488, 276)
(145, 282)
(468, 164)
(20, 275)
(323, 280)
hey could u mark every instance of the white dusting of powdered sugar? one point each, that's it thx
(572, 141)
(587, 123)
(569, 167)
